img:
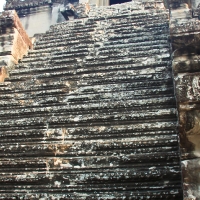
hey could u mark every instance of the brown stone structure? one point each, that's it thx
(104, 107)
(15, 42)
(185, 29)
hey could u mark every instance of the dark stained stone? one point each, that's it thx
(90, 113)
(185, 44)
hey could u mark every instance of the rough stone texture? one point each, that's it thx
(190, 169)
(15, 43)
(18, 4)
(90, 113)
(185, 37)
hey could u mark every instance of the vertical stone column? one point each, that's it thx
(185, 37)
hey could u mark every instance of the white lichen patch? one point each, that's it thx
(57, 184)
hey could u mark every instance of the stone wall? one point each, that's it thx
(185, 36)
(15, 43)
(90, 113)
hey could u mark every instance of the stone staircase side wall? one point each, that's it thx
(16, 45)
(185, 37)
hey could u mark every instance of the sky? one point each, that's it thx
(2, 2)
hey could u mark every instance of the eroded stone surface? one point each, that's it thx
(191, 178)
(90, 113)
(185, 43)
(15, 42)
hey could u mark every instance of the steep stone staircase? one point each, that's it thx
(90, 113)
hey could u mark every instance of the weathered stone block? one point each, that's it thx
(190, 133)
(185, 45)
(191, 179)
(91, 112)
(187, 87)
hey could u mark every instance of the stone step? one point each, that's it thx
(90, 113)
(49, 58)
(87, 86)
(64, 38)
(90, 69)
(71, 149)
(99, 132)
(22, 110)
(71, 26)
(154, 195)
(81, 30)
(26, 68)
(93, 95)
(125, 44)
(65, 43)
(35, 57)
(134, 130)
(91, 118)
(108, 45)
(129, 54)
(163, 27)
(92, 23)
(81, 162)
